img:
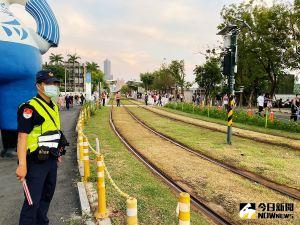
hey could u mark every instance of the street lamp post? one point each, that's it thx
(65, 80)
(230, 32)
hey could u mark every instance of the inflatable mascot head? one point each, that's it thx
(21, 50)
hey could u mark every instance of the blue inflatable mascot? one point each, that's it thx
(21, 52)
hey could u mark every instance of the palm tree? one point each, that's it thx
(56, 59)
(73, 59)
(92, 66)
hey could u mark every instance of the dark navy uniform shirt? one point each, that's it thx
(28, 117)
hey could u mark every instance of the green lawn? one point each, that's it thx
(156, 202)
(276, 163)
(238, 125)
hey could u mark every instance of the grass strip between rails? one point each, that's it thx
(156, 202)
(263, 130)
(273, 162)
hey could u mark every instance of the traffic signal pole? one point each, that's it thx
(231, 82)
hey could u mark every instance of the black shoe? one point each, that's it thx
(2, 154)
(9, 153)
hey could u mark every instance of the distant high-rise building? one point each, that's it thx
(107, 69)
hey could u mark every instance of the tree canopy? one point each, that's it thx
(270, 48)
(208, 76)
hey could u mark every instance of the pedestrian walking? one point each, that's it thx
(218, 99)
(82, 99)
(194, 99)
(159, 102)
(118, 99)
(225, 101)
(260, 103)
(198, 99)
(40, 146)
(71, 101)
(181, 97)
(76, 99)
(146, 99)
(60, 102)
(154, 98)
(295, 108)
(68, 101)
(103, 96)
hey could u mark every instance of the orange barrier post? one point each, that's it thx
(184, 209)
(250, 112)
(101, 210)
(86, 160)
(271, 117)
(131, 211)
(81, 145)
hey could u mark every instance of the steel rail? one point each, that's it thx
(196, 201)
(283, 189)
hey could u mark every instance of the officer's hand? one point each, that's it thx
(21, 172)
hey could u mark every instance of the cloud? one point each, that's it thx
(135, 34)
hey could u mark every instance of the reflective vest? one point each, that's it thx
(47, 125)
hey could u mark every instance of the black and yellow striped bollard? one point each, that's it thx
(230, 118)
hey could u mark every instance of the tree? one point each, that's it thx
(91, 66)
(97, 77)
(56, 59)
(163, 79)
(73, 58)
(208, 75)
(147, 79)
(176, 69)
(132, 85)
(125, 89)
(271, 41)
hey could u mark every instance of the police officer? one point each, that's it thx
(39, 148)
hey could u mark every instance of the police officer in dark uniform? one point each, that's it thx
(40, 145)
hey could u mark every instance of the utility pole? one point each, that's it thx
(231, 33)
(65, 81)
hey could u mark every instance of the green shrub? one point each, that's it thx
(239, 116)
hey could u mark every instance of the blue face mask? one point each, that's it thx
(51, 91)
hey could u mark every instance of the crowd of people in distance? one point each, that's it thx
(265, 103)
(70, 100)
(160, 99)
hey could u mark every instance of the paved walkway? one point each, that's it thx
(65, 206)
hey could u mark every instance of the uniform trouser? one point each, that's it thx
(41, 181)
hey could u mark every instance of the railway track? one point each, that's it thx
(288, 191)
(283, 144)
(195, 201)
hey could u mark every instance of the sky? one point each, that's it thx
(136, 35)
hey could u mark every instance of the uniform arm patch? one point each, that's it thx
(27, 113)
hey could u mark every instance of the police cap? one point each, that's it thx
(46, 76)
